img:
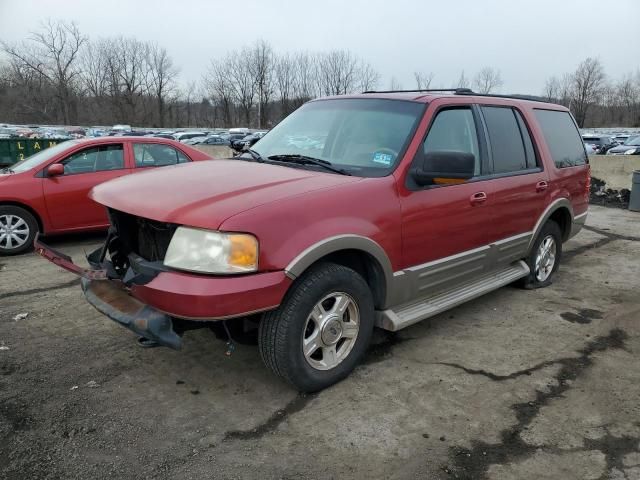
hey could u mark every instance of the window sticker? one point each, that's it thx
(382, 158)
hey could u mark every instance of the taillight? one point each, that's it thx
(587, 190)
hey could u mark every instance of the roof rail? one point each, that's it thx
(465, 91)
(515, 96)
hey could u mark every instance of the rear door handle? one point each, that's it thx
(478, 198)
(541, 186)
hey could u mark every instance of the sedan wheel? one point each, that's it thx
(17, 229)
(14, 232)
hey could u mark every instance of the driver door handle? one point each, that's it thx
(478, 198)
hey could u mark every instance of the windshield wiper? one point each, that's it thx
(302, 159)
(7, 170)
(255, 156)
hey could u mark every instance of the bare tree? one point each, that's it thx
(487, 80)
(161, 77)
(306, 83)
(423, 79)
(551, 91)
(52, 53)
(587, 83)
(219, 88)
(261, 65)
(337, 72)
(242, 82)
(463, 81)
(368, 78)
(394, 84)
(285, 76)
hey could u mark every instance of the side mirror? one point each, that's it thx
(55, 170)
(446, 165)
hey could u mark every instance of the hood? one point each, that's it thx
(623, 148)
(204, 194)
(4, 176)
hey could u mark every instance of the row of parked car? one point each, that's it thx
(620, 144)
(237, 138)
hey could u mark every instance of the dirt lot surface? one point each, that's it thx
(517, 384)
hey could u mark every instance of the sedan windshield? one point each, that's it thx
(41, 157)
(364, 137)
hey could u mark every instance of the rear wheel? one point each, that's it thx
(322, 329)
(545, 256)
(18, 228)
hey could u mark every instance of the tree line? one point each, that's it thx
(57, 75)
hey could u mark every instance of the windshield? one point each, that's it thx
(635, 141)
(365, 137)
(40, 157)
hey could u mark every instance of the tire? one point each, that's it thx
(543, 277)
(306, 319)
(18, 228)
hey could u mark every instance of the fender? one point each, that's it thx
(555, 205)
(315, 252)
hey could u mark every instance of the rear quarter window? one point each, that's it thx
(562, 137)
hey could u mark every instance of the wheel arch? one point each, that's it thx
(29, 209)
(361, 254)
(561, 212)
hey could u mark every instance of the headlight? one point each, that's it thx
(631, 151)
(207, 251)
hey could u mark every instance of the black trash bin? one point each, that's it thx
(634, 199)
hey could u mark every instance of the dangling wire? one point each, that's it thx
(230, 345)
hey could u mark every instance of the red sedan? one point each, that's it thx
(48, 192)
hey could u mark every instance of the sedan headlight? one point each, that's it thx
(207, 251)
(631, 151)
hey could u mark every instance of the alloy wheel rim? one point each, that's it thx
(545, 258)
(14, 231)
(330, 331)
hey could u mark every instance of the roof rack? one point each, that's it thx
(466, 91)
(459, 91)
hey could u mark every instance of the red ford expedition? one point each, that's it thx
(374, 210)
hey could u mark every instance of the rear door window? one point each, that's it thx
(562, 137)
(507, 144)
(157, 155)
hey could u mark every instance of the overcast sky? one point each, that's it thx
(526, 40)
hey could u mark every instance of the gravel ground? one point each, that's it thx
(517, 384)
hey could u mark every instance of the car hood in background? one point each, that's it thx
(622, 148)
(204, 194)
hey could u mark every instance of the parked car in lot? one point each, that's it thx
(246, 142)
(47, 192)
(601, 143)
(182, 136)
(630, 147)
(412, 204)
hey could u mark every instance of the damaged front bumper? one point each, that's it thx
(112, 298)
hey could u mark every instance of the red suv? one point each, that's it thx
(380, 209)
(47, 192)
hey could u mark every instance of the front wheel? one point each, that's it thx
(545, 256)
(322, 329)
(18, 228)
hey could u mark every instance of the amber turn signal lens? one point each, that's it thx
(243, 251)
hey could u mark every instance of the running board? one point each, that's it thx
(407, 314)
